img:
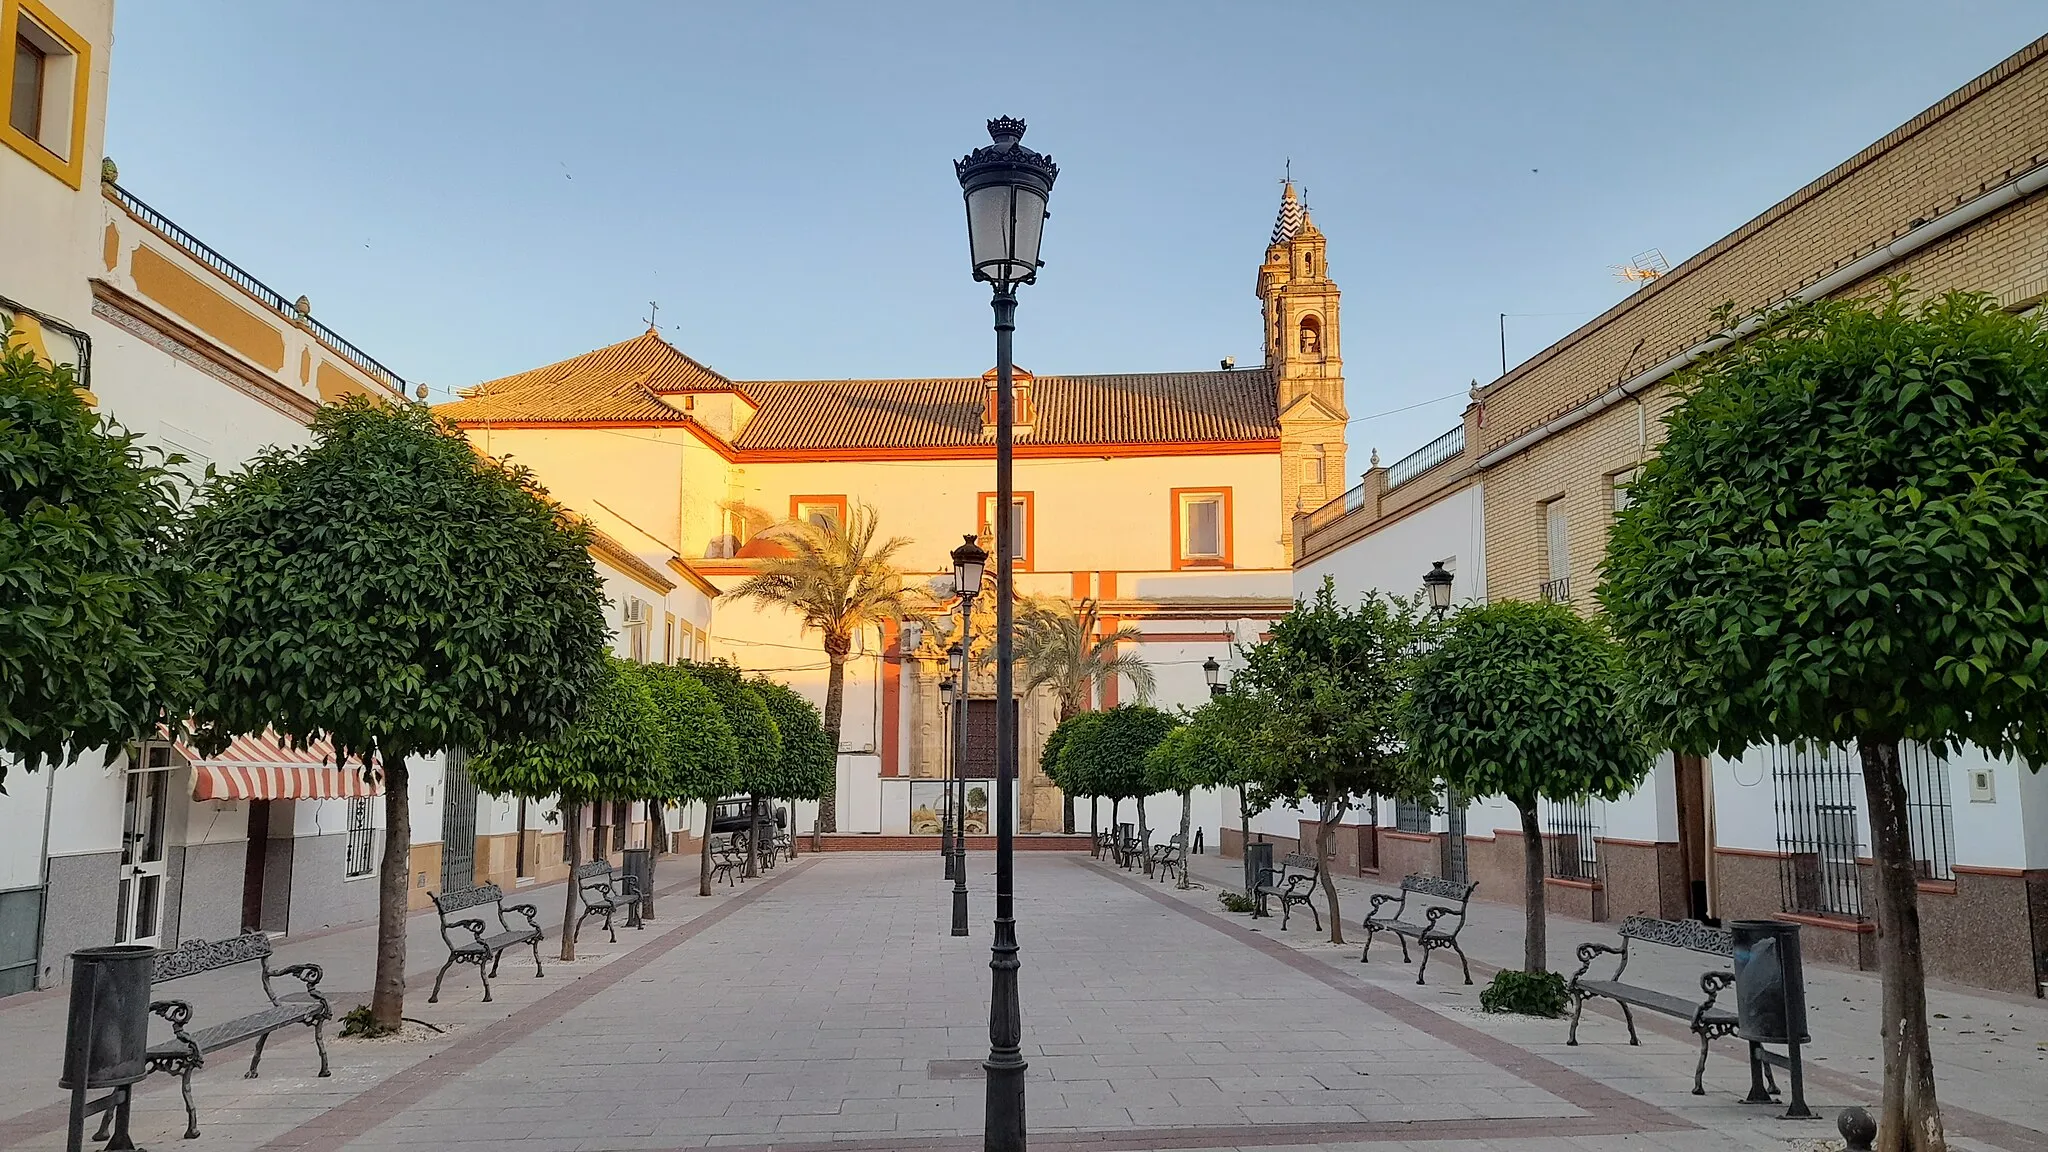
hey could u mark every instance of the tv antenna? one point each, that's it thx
(1643, 267)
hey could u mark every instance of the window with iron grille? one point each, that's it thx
(359, 855)
(1573, 850)
(1411, 816)
(1930, 818)
(1816, 789)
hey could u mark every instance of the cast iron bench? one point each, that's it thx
(1166, 857)
(728, 861)
(1293, 882)
(1705, 1020)
(1431, 935)
(484, 948)
(605, 893)
(186, 1052)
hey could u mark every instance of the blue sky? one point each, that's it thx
(470, 189)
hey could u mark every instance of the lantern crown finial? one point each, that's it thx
(1006, 130)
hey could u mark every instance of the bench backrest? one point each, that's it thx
(1297, 862)
(592, 868)
(196, 956)
(1688, 934)
(1440, 888)
(462, 899)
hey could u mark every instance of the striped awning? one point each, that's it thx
(262, 768)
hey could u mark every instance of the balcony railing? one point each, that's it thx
(1445, 447)
(199, 250)
(1558, 591)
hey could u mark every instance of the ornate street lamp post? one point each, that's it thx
(1438, 582)
(969, 562)
(1213, 673)
(1006, 186)
(946, 808)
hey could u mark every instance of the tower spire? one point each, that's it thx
(1289, 221)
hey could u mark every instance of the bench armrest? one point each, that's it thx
(179, 1013)
(309, 975)
(476, 927)
(1265, 877)
(1439, 911)
(1381, 900)
(531, 913)
(1588, 953)
(1712, 983)
(1292, 882)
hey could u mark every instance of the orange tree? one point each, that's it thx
(700, 755)
(392, 590)
(758, 740)
(1844, 540)
(101, 618)
(617, 748)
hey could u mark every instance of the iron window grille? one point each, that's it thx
(1820, 837)
(1930, 817)
(359, 855)
(1411, 816)
(1573, 851)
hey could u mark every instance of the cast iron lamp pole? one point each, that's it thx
(1006, 186)
(969, 562)
(946, 809)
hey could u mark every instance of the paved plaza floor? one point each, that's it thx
(826, 1007)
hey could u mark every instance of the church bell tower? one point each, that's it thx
(1304, 351)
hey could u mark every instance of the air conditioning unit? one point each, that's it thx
(636, 612)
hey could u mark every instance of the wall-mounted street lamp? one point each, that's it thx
(1438, 582)
(1212, 672)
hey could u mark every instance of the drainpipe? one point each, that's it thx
(2008, 193)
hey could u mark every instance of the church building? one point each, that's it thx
(1166, 497)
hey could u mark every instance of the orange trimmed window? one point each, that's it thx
(824, 511)
(1022, 529)
(48, 71)
(1201, 528)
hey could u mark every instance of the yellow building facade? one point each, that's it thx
(1166, 497)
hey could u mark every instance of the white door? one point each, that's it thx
(142, 848)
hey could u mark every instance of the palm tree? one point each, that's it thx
(1058, 648)
(840, 582)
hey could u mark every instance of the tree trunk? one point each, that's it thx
(1144, 839)
(704, 853)
(572, 828)
(1244, 837)
(1909, 1119)
(753, 836)
(835, 702)
(1095, 827)
(1187, 815)
(1326, 828)
(394, 881)
(1535, 940)
(657, 843)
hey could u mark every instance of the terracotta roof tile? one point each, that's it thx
(1155, 407)
(623, 381)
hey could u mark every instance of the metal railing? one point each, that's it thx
(1444, 448)
(359, 853)
(199, 250)
(1930, 817)
(1574, 841)
(1558, 591)
(1410, 816)
(1816, 789)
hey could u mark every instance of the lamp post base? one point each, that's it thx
(1003, 1113)
(960, 902)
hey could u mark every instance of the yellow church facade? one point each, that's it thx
(1167, 498)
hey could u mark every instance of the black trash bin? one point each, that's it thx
(1770, 1002)
(110, 1000)
(106, 1036)
(1258, 859)
(639, 868)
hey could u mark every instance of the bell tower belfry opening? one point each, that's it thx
(1303, 346)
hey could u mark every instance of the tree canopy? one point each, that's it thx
(700, 755)
(810, 765)
(1523, 700)
(753, 727)
(618, 748)
(101, 618)
(390, 588)
(1109, 753)
(1845, 535)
